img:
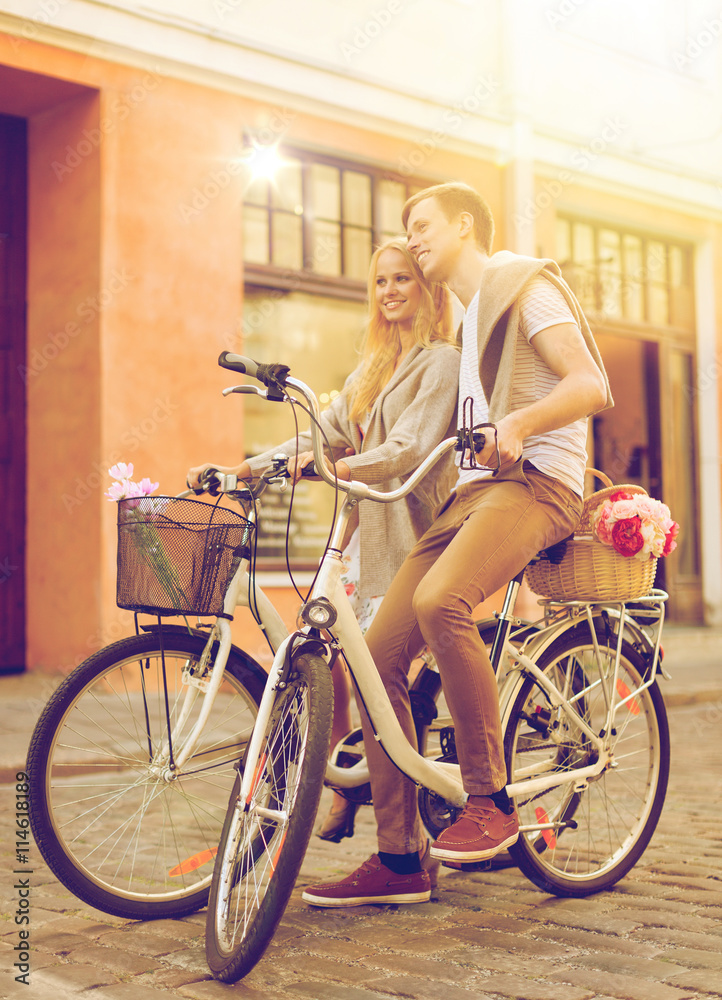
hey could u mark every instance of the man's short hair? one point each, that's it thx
(453, 199)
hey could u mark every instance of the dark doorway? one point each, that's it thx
(13, 252)
(627, 438)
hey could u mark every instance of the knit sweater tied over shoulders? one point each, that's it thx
(502, 281)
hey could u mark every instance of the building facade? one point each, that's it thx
(186, 177)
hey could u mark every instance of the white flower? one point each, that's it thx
(121, 470)
(654, 539)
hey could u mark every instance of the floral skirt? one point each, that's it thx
(365, 609)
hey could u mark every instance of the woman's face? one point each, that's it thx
(398, 293)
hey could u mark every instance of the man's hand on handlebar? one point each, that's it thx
(509, 441)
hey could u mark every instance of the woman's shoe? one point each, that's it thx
(339, 822)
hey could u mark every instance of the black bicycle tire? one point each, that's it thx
(241, 667)
(237, 962)
(528, 858)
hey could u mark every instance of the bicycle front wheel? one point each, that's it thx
(582, 837)
(262, 845)
(112, 820)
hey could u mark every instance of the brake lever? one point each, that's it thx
(271, 395)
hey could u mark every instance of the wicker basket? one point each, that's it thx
(589, 570)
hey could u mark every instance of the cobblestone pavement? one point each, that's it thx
(656, 936)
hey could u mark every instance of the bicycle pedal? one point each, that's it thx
(468, 866)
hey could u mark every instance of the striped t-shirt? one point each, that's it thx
(561, 453)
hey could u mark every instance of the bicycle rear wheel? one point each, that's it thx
(582, 837)
(109, 825)
(262, 846)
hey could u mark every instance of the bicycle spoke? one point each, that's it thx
(603, 823)
(114, 822)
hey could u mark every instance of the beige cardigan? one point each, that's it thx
(416, 410)
(503, 278)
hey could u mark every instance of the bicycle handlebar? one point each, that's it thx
(272, 376)
(277, 380)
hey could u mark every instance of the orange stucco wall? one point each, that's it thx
(130, 302)
(63, 385)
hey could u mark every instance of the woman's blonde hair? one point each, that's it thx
(432, 327)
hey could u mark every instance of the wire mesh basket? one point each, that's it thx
(177, 556)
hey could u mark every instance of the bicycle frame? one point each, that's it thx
(441, 777)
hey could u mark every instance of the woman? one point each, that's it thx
(394, 409)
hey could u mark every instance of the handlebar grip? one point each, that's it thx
(273, 376)
(479, 439)
(309, 470)
(238, 363)
(208, 485)
(466, 439)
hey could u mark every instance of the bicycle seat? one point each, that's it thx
(555, 553)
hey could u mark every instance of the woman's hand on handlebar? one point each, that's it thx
(195, 474)
(305, 459)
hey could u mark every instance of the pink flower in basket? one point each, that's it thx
(635, 525)
(124, 488)
(142, 516)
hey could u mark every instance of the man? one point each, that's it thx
(530, 366)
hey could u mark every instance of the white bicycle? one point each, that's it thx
(134, 757)
(585, 737)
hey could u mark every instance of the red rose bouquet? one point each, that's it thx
(635, 525)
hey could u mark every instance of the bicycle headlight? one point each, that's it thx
(319, 613)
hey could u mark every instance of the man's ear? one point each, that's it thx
(466, 225)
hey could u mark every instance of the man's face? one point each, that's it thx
(433, 240)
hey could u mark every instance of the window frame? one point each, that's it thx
(305, 278)
(647, 281)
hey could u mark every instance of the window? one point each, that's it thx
(320, 217)
(626, 276)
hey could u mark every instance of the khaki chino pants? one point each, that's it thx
(483, 536)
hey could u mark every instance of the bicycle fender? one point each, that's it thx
(253, 665)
